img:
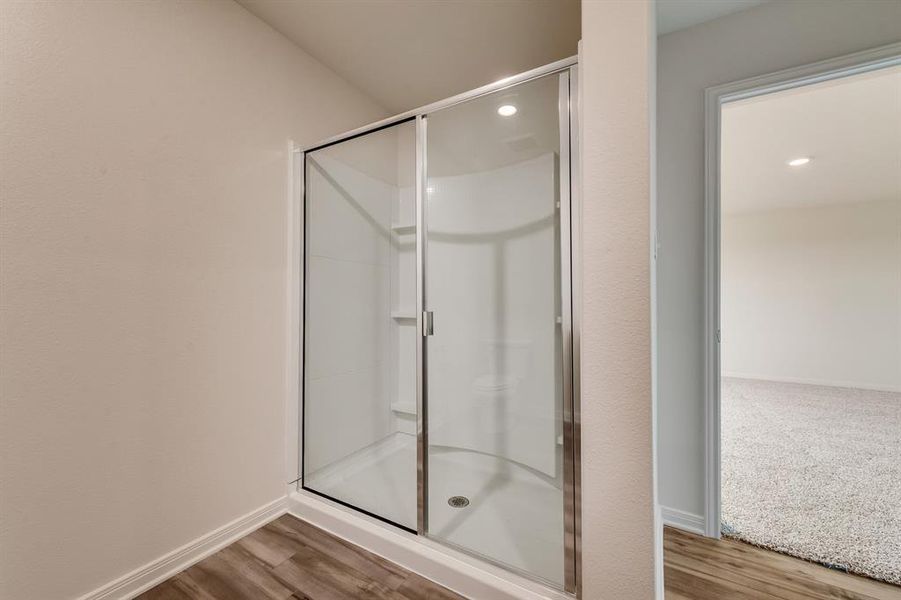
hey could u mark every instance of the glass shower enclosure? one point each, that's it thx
(438, 377)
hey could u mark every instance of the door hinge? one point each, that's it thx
(428, 327)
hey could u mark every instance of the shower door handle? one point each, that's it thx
(428, 327)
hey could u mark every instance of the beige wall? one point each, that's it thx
(618, 529)
(764, 39)
(143, 231)
(813, 295)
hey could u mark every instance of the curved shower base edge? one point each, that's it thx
(465, 575)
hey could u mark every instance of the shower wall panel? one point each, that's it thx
(494, 231)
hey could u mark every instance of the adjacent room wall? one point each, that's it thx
(620, 547)
(144, 277)
(768, 38)
(813, 295)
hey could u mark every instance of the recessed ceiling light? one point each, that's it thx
(797, 162)
(507, 110)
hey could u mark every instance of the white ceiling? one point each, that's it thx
(851, 129)
(408, 53)
(673, 15)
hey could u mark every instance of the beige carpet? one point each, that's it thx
(814, 472)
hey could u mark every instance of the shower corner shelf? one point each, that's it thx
(403, 315)
(404, 408)
(403, 228)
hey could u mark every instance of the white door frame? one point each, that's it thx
(714, 98)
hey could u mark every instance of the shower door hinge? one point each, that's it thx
(427, 323)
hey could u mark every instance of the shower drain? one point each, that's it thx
(458, 501)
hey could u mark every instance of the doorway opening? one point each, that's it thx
(805, 308)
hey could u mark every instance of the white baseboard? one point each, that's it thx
(143, 578)
(822, 382)
(682, 520)
(465, 575)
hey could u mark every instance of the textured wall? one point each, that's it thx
(618, 533)
(143, 247)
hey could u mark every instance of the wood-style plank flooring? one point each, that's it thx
(289, 559)
(699, 568)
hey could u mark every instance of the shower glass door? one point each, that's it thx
(496, 377)
(359, 376)
(437, 381)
